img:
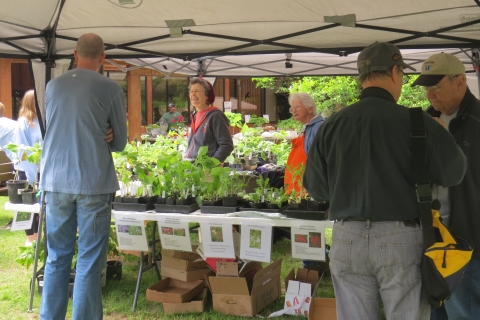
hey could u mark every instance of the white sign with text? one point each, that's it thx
(131, 234)
(308, 240)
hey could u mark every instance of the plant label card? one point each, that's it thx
(217, 239)
(308, 240)
(174, 234)
(131, 234)
(256, 241)
(22, 221)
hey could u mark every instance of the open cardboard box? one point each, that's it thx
(174, 291)
(185, 265)
(196, 305)
(238, 295)
(323, 309)
(186, 276)
(305, 276)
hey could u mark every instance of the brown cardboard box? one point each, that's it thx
(232, 295)
(182, 275)
(182, 264)
(304, 275)
(323, 309)
(196, 305)
(184, 255)
(174, 291)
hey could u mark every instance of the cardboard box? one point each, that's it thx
(182, 275)
(323, 309)
(183, 264)
(298, 298)
(196, 305)
(238, 296)
(305, 276)
(174, 291)
(183, 255)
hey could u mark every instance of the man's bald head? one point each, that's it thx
(90, 46)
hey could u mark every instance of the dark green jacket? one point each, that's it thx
(361, 160)
(465, 198)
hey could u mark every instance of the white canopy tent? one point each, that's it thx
(239, 38)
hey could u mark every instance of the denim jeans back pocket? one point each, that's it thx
(401, 261)
(99, 206)
(52, 198)
(340, 257)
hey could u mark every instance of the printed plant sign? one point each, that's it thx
(302, 238)
(217, 234)
(314, 240)
(255, 239)
(166, 230)
(179, 232)
(135, 230)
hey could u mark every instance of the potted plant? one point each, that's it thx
(34, 155)
(114, 266)
(15, 186)
(235, 120)
(257, 121)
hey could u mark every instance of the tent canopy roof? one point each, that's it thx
(215, 37)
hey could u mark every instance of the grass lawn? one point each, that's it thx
(117, 295)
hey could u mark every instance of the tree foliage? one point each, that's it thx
(332, 93)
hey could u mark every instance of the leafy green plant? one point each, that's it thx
(257, 121)
(277, 196)
(289, 124)
(235, 119)
(27, 254)
(18, 150)
(34, 155)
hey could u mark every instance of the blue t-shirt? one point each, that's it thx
(8, 128)
(28, 136)
(80, 107)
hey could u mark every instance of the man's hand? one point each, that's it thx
(109, 136)
(441, 122)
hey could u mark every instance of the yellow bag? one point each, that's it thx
(444, 262)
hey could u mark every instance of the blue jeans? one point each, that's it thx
(91, 214)
(465, 300)
(374, 262)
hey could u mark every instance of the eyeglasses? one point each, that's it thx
(437, 89)
(294, 108)
(196, 91)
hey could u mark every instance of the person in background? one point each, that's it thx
(8, 128)
(86, 122)
(172, 116)
(209, 125)
(28, 133)
(457, 109)
(156, 114)
(361, 162)
(304, 110)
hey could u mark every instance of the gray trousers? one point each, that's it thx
(375, 262)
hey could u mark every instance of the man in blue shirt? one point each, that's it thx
(78, 176)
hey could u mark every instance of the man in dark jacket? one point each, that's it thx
(361, 161)
(455, 107)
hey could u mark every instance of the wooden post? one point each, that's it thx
(134, 107)
(6, 86)
(226, 88)
(149, 97)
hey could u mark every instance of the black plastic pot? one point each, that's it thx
(29, 197)
(258, 205)
(272, 206)
(211, 203)
(185, 202)
(161, 200)
(114, 270)
(170, 201)
(13, 190)
(230, 201)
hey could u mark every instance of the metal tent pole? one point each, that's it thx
(37, 251)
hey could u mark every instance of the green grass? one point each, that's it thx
(117, 295)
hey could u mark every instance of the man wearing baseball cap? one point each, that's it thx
(361, 162)
(455, 107)
(172, 116)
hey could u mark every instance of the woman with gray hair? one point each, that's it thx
(209, 124)
(304, 110)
